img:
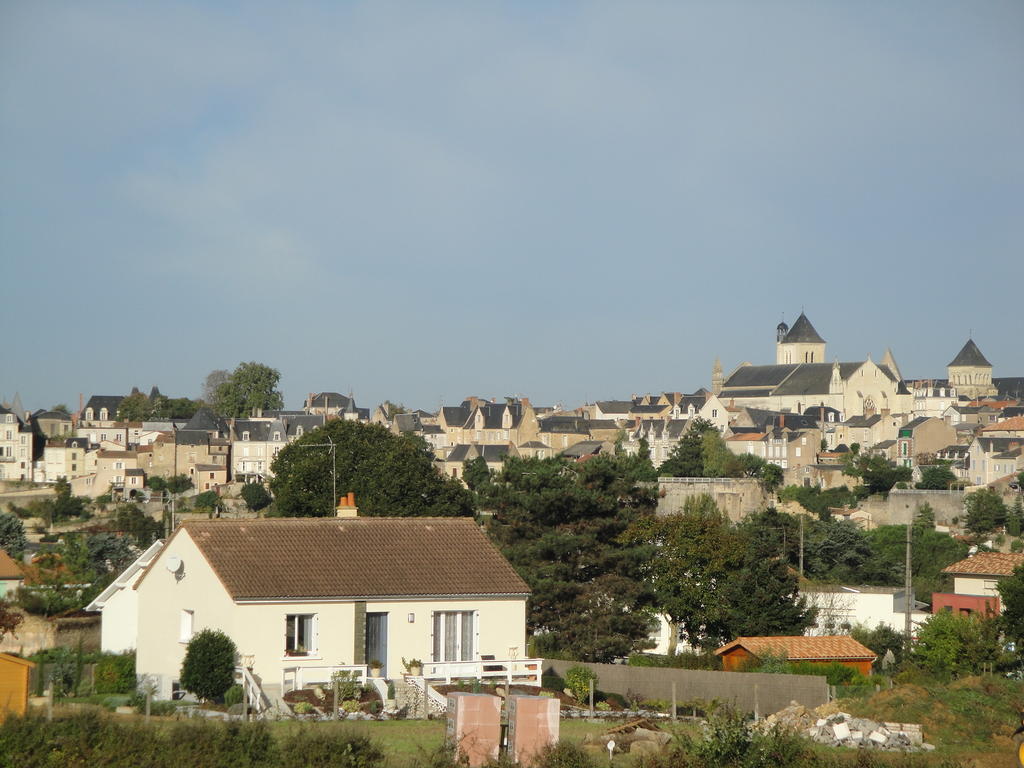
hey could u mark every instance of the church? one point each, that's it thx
(802, 379)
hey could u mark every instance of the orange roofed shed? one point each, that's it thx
(815, 650)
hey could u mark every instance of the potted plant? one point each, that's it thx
(375, 667)
(413, 667)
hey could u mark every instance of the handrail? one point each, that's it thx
(526, 671)
(257, 699)
(303, 675)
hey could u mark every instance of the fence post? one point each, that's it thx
(149, 699)
(335, 698)
(757, 705)
(673, 699)
(591, 697)
(49, 703)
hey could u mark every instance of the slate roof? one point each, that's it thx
(258, 430)
(206, 420)
(491, 453)
(455, 415)
(615, 406)
(791, 379)
(329, 400)
(801, 648)
(302, 558)
(191, 437)
(110, 402)
(987, 564)
(1009, 386)
(970, 355)
(407, 422)
(802, 332)
(583, 448)
(60, 415)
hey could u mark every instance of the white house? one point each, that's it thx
(119, 603)
(301, 597)
(841, 607)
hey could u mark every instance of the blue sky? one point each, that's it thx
(572, 201)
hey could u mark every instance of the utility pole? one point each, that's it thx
(908, 587)
(801, 546)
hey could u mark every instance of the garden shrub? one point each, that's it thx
(209, 667)
(115, 673)
(312, 747)
(577, 680)
(234, 695)
(348, 684)
(564, 755)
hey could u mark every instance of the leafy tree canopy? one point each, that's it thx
(391, 475)
(251, 385)
(1011, 595)
(949, 644)
(12, 535)
(937, 477)
(986, 511)
(559, 524)
(876, 472)
(255, 496)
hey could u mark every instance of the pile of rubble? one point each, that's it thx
(826, 725)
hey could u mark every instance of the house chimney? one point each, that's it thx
(347, 506)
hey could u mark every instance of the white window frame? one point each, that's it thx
(291, 634)
(439, 622)
(186, 625)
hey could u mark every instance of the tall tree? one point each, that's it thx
(986, 511)
(212, 381)
(1011, 594)
(687, 457)
(559, 524)
(692, 556)
(135, 407)
(936, 477)
(250, 386)
(12, 535)
(391, 475)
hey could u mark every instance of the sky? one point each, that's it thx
(569, 201)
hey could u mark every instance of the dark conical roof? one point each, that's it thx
(803, 332)
(970, 355)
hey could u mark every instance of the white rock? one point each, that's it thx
(821, 721)
(877, 737)
(841, 731)
(856, 735)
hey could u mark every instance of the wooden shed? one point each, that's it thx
(841, 649)
(14, 682)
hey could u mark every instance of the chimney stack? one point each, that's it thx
(347, 506)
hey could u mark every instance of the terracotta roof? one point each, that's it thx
(1008, 425)
(9, 568)
(987, 564)
(802, 648)
(292, 558)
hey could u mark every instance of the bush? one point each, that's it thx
(115, 674)
(577, 680)
(255, 496)
(564, 754)
(348, 684)
(234, 695)
(312, 747)
(209, 667)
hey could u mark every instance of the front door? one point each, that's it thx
(377, 640)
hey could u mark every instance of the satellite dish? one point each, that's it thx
(174, 564)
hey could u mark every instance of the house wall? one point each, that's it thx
(975, 585)
(120, 626)
(965, 604)
(162, 596)
(37, 633)
(735, 497)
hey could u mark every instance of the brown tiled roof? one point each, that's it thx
(292, 558)
(9, 568)
(1015, 424)
(987, 564)
(800, 648)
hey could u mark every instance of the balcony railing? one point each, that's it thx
(296, 677)
(523, 671)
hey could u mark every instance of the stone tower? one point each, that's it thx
(800, 344)
(970, 372)
(717, 379)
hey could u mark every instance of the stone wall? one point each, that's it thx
(901, 506)
(747, 691)
(735, 497)
(37, 633)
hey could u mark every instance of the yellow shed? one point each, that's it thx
(14, 680)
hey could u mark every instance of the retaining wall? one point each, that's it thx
(901, 506)
(747, 691)
(736, 497)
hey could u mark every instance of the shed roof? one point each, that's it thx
(801, 648)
